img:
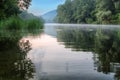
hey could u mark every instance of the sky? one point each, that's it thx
(40, 7)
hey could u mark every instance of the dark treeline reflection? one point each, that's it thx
(103, 42)
(14, 65)
(77, 39)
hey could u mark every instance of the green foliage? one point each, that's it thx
(13, 23)
(8, 8)
(16, 23)
(104, 17)
(89, 11)
(10, 20)
(34, 24)
(118, 18)
(76, 11)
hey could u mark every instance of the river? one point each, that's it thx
(62, 52)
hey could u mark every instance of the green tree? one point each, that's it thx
(8, 8)
(75, 11)
(89, 11)
(104, 11)
(65, 11)
(11, 7)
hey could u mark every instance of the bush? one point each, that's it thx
(34, 24)
(16, 23)
(12, 23)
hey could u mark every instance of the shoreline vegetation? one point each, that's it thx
(14, 16)
(17, 23)
(89, 12)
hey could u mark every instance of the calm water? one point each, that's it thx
(61, 52)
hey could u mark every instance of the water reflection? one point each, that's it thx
(107, 46)
(79, 39)
(60, 53)
(14, 65)
(104, 43)
(54, 62)
(78, 58)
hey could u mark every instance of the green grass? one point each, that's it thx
(34, 24)
(12, 23)
(16, 23)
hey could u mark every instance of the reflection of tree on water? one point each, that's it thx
(107, 46)
(77, 38)
(104, 43)
(13, 62)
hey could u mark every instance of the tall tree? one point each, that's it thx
(65, 11)
(8, 8)
(12, 7)
(105, 9)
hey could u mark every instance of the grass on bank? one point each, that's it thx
(34, 24)
(16, 23)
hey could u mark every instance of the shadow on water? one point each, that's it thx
(103, 42)
(14, 65)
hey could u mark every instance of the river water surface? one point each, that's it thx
(61, 52)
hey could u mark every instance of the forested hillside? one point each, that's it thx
(25, 15)
(89, 11)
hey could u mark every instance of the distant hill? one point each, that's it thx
(50, 16)
(26, 15)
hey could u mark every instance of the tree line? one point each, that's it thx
(89, 11)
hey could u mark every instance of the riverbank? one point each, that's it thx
(17, 23)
